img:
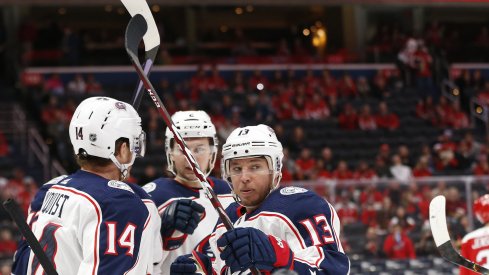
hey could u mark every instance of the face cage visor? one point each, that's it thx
(139, 145)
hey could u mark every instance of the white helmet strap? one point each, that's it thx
(123, 167)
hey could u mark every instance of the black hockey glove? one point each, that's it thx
(182, 215)
(245, 247)
(189, 264)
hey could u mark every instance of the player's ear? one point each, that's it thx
(124, 153)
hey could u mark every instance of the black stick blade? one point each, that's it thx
(14, 211)
(135, 31)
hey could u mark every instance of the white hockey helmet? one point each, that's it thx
(98, 122)
(253, 141)
(192, 124)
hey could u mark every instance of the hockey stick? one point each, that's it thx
(151, 42)
(134, 33)
(13, 210)
(439, 230)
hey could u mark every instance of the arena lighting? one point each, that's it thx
(479, 110)
(155, 8)
(260, 86)
(306, 32)
(223, 28)
(238, 11)
(455, 92)
(250, 8)
(320, 37)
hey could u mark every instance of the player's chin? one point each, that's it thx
(248, 198)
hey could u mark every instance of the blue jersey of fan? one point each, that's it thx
(90, 225)
(307, 222)
(164, 191)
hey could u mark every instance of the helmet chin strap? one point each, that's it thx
(123, 167)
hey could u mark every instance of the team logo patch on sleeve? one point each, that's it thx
(119, 185)
(149, 187)
(292, 190)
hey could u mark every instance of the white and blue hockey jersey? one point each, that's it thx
(164, 191)
(90, 225)
(307, 222)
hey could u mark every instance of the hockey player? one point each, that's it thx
(475, 245)
(275, 228)
(91, 222)
(187, 215)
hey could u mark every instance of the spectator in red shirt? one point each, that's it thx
(311, 80)
(370, 195)
(215, 82)
(317, 108)
(198, 83)
(379, 85)
(423, 61)
(384, 152)
(342, 172)
(299, 111)
(363, 171)
(426, 109)
(443, 111)
(7, 244)
(282, 104)
(421, 169)
(320, 171)
(386, 119)
(329, 85)
(93, 87)
(482, 166)
(238, 86)
(398, 245)
(347, 87)
(366, 121)
(363, 87)
(54, 85)
(347, 210)
(348, 119)
(458, 119)
(305, 164)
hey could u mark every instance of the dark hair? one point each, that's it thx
(83, 159)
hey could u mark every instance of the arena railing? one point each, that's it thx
(465, 185)
(33, 145)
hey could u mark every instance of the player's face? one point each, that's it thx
(202, 152)
(251, 179)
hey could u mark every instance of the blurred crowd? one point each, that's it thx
(55, 43)
(389, 219)
(457, 43)
(349, 103)
(22, 188)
